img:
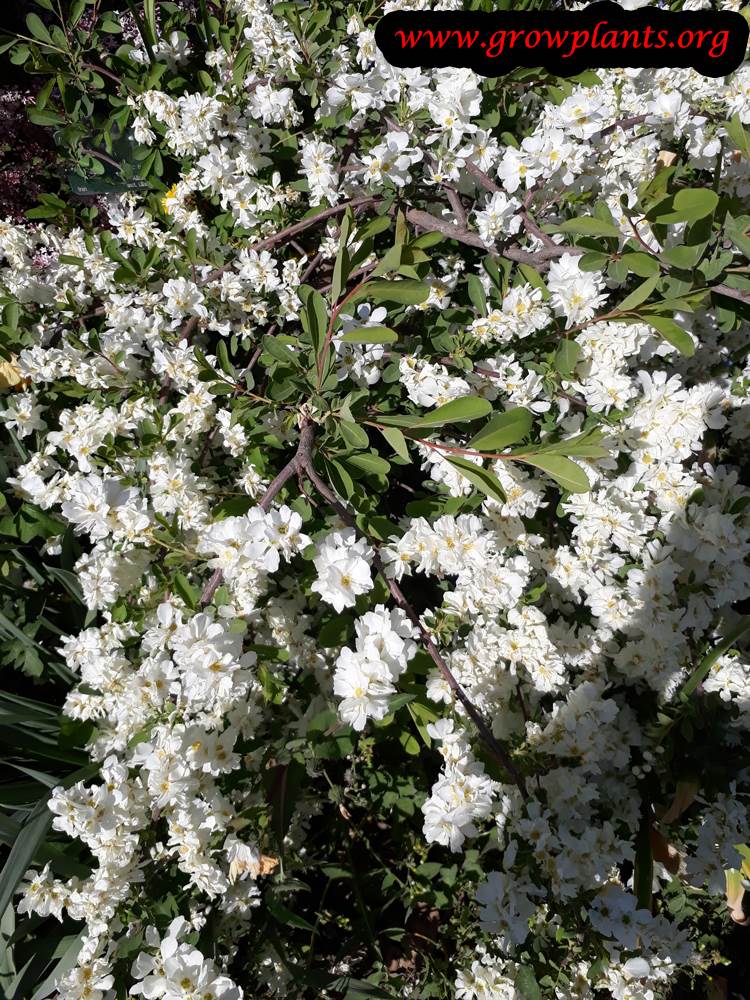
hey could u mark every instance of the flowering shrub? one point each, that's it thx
(374, 443)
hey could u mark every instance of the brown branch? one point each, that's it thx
(189, 328)
(211, 587)
(349, 147)
(311, 267)
(529, 223)
(101, 156)
(623, 123)
(481, 177)
(454, 200)
(731, 293)
(103, 71)
(299, 227)
(537, 258)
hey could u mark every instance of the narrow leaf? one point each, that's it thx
(672, 333)
(484, 480)
(457, 411)
(566, 474)
(370, 335)
(396, 440)
(639, 294)
(587, 227)
(407, 291)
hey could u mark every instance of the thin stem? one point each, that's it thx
(103, 71)
(101, 156)
(311, 267)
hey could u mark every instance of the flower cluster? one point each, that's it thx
(410, 422)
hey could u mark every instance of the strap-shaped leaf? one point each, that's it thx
(370, 335)
(408, 291)
(587, 226)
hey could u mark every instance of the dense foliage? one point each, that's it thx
(374, 549)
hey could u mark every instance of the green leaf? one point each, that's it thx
(643, 874)
(639, 294)
(534, 278)
(65, 964)
(44, 94)
(279, 349)
(642, 264)
(37, 28)
(695, 203)
(369, 462)
(592, 261)
(222, 356)
(587, 226)
(354, 435)
(703, 669)
(567, 356)
(687, 205)
(671, 332)
(370, 335)
(342, 266)
(566, 474)
(407, 291)
(285, 781)
(48, 118)
(396, 440)
(526, 984)
(738, 135)
(422, 715)
(456, 412)
(186, 591)
(316, 314)
(23, 850)
(391, 261)
(584, 445)
(6, 625)
(339, 478)
(504, 429)
(149, 17)
(409, 743)
(286, 917)
(334, 871)
(484, 480)
(477, 294)
(683, 257)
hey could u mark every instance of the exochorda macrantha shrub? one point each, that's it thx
(400, 416)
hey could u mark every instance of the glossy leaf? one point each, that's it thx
(484, 480)
(566, 474)
(504, 429)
